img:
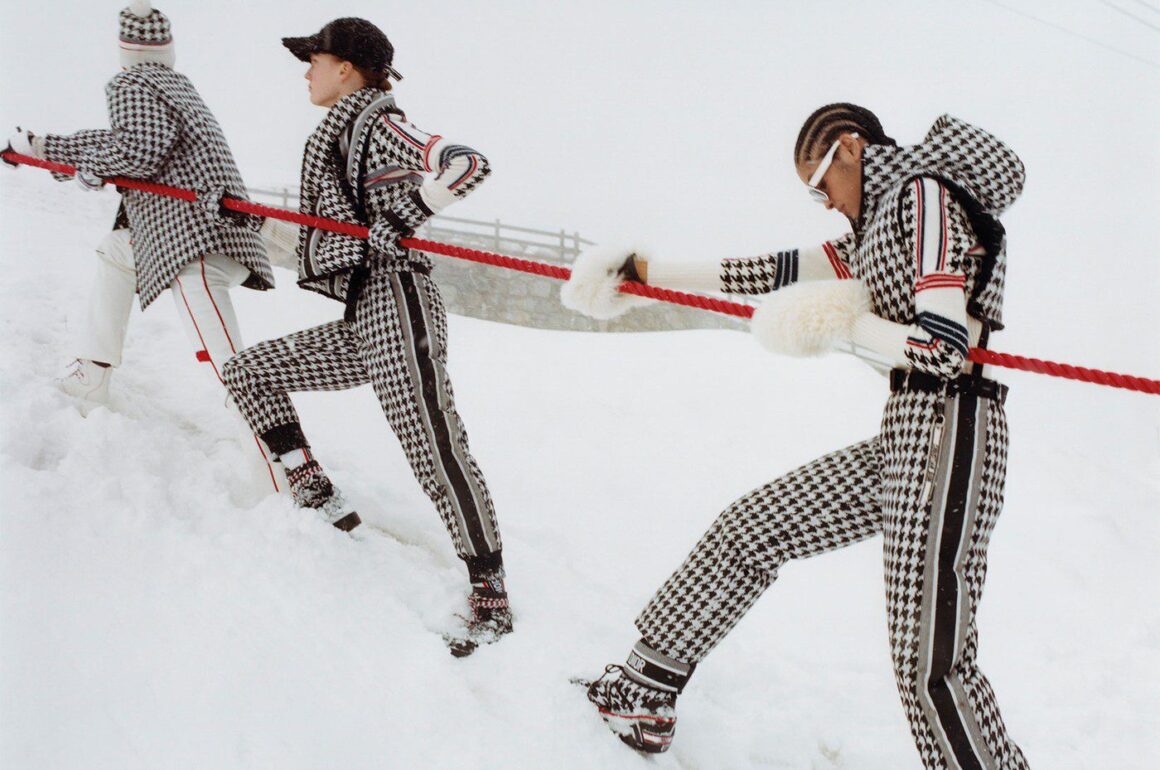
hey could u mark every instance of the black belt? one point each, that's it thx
(905, 379)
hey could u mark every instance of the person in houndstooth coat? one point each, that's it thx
(366, 163)
(162, 131)
(917, 282)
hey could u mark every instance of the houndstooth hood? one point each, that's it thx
(985, 168)
(145, 36)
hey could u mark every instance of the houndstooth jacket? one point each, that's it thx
(162, 131)
(366, 151)
(927, 245)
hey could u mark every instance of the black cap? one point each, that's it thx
(355, 40)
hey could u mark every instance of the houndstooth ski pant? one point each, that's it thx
(932, 484)
(398, 343)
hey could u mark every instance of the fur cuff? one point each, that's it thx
(592, 289)
(808, 319)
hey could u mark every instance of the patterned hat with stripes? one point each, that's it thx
(145, 35)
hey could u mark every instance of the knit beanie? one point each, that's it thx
(145, 36)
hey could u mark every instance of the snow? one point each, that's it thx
(157, 609)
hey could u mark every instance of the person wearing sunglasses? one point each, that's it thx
(916, 282)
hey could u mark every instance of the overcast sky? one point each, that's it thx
(671, 123)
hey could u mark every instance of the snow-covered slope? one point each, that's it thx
(160, 611)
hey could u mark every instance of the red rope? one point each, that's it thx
(979, 355)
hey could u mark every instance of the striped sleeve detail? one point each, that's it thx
(938, 341)
(415, 176)
(406, 133)
(930, 236)
(388, 175)
(941, 329)
(761, 274)
(941, 281)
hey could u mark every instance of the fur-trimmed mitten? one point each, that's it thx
(593, 288)
(810, 318)
(24, 142)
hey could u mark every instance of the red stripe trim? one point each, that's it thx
(225, 329)
(269, 466)
(918, 225)
(839, 267)
(466, 174)
(427, 151)
(942, 203)
(197, 329)
(399, 130)
(940, 281)
(642, 717)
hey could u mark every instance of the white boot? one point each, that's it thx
(89, 382)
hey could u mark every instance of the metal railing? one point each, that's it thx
(558, 246)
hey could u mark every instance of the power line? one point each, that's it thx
(1065, 30)
(1149, 6)
(1131, 15)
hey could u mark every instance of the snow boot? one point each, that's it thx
(87, 381)
(310, 488)
(491, 617)
(643, 717)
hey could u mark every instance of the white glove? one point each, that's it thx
(592, 289)
(90, 182)
(810, 318)
(281, 240)
(25, 142)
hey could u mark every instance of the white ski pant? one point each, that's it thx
(201, 292)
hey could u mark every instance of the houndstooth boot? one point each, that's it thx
(638, 701)
(310, 488)
(491, 616)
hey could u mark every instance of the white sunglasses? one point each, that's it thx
(823, 166)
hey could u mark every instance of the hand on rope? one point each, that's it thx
(979, 355)
(594, 286)
(23, 142)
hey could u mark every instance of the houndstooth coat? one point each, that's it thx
(162, 131)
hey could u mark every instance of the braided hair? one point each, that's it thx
(374, 78)
(826, 124)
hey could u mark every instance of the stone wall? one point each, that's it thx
(498, 294)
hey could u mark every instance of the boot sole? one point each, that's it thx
(648, 734)
(348, 522)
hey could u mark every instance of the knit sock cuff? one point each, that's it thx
(654, 669)
(285, 438)
(480, 567)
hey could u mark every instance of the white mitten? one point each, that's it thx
(25, 142)
(592, 289)
(810, 318)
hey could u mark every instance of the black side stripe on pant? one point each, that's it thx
(448, 463)
(952, 518)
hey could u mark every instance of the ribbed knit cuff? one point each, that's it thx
(284, 235)
(654, 669)
(285, 438)
(705, 276)
(479, 566)
(878, 340)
